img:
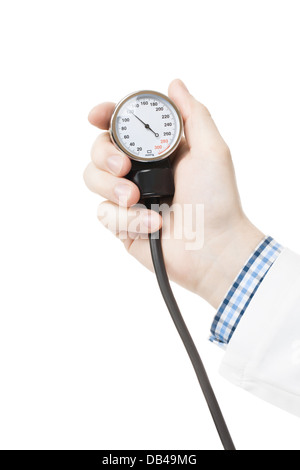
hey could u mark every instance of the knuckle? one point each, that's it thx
(103, 137)
(203, 109)
(104, 210)
(94, 149)
(224, 149)
(221, 150)
(86, 174)
(100, 141)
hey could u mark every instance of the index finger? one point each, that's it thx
(101, 114)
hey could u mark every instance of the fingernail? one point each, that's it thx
(151, 221)
(122, 191)
(114, 163)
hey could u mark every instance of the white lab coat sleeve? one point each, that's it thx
(263, 356)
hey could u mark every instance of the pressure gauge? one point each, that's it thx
(146, 126)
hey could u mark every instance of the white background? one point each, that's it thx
(89, 357)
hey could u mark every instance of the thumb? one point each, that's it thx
(199, 128)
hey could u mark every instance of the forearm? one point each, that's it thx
(228, 254)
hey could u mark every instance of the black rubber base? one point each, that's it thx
(154, 179)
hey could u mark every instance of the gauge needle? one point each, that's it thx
(147, 126)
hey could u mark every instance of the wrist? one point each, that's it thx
(227, 255)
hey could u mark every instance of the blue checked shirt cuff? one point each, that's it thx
(242, 291)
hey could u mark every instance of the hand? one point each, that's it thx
(204, 174)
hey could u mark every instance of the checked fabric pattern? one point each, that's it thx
(242, 291)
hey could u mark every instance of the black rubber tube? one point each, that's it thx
(164, 285)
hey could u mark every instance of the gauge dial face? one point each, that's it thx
(147, 126)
